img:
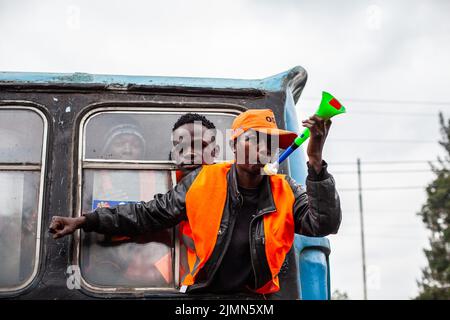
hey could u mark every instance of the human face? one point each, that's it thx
(252, 151)
(193, 146)
(127, 147)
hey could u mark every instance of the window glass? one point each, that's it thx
(19, 193)
(21, 143)
(21, 133)
(143, 136)
(112, 261)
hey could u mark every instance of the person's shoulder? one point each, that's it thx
(217, 166)
(284, 177)
(187, 179)
(294, 185)
(192, 174)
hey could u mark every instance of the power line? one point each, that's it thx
(375, 227)
(395, 114)
(382, 140)
(387, 101)
(383, 171)
(371, 113)
(393, 236)
(383, 188)
(383, 162)
(382, 212)
(383, 225)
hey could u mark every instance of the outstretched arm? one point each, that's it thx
(164, 211)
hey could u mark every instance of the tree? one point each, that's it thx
(338, 295)
(435, 213)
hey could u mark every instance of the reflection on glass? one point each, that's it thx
(21, 133)
(112, 261)
(143, 136)
(18, 223)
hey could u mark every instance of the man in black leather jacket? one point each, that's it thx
(235, 265)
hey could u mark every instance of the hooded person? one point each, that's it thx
(124, 141)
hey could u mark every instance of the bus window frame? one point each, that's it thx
(130, 107)
(42, 167)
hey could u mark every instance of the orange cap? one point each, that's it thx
(262, 120)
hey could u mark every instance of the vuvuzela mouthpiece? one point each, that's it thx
(271, 168)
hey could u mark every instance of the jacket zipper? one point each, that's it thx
(227, 243)
(253, 251)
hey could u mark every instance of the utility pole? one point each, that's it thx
(358, 162)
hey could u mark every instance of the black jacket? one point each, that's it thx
(316, 213)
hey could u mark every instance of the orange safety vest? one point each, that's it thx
(205, 202)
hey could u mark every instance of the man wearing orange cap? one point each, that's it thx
(239, 225)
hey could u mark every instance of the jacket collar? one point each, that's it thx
(265, 199)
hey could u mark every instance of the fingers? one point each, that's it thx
(58, 227)
(62, 233)
(316, 128)
(57, 236)
(68, 229)
(316, 118)
(55, 225)
(308, 123)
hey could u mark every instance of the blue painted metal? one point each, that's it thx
(314, 272)
(311, 253)
(278, 82)
(297, 161)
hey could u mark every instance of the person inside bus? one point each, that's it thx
(240, 223)
(188, 158)
(185, 155)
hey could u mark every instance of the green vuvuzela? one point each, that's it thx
(328, 108)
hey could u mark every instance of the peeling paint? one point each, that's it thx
(68, 109)
(295, 78)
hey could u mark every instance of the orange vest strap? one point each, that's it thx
(279, 229)
(205, 201)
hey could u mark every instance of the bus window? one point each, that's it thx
(146, 136)
(21, 136)
(119, 147)
(22, 132)
(144, 261)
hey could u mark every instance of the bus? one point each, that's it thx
(56, 135)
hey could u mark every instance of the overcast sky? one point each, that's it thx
(386, 61)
